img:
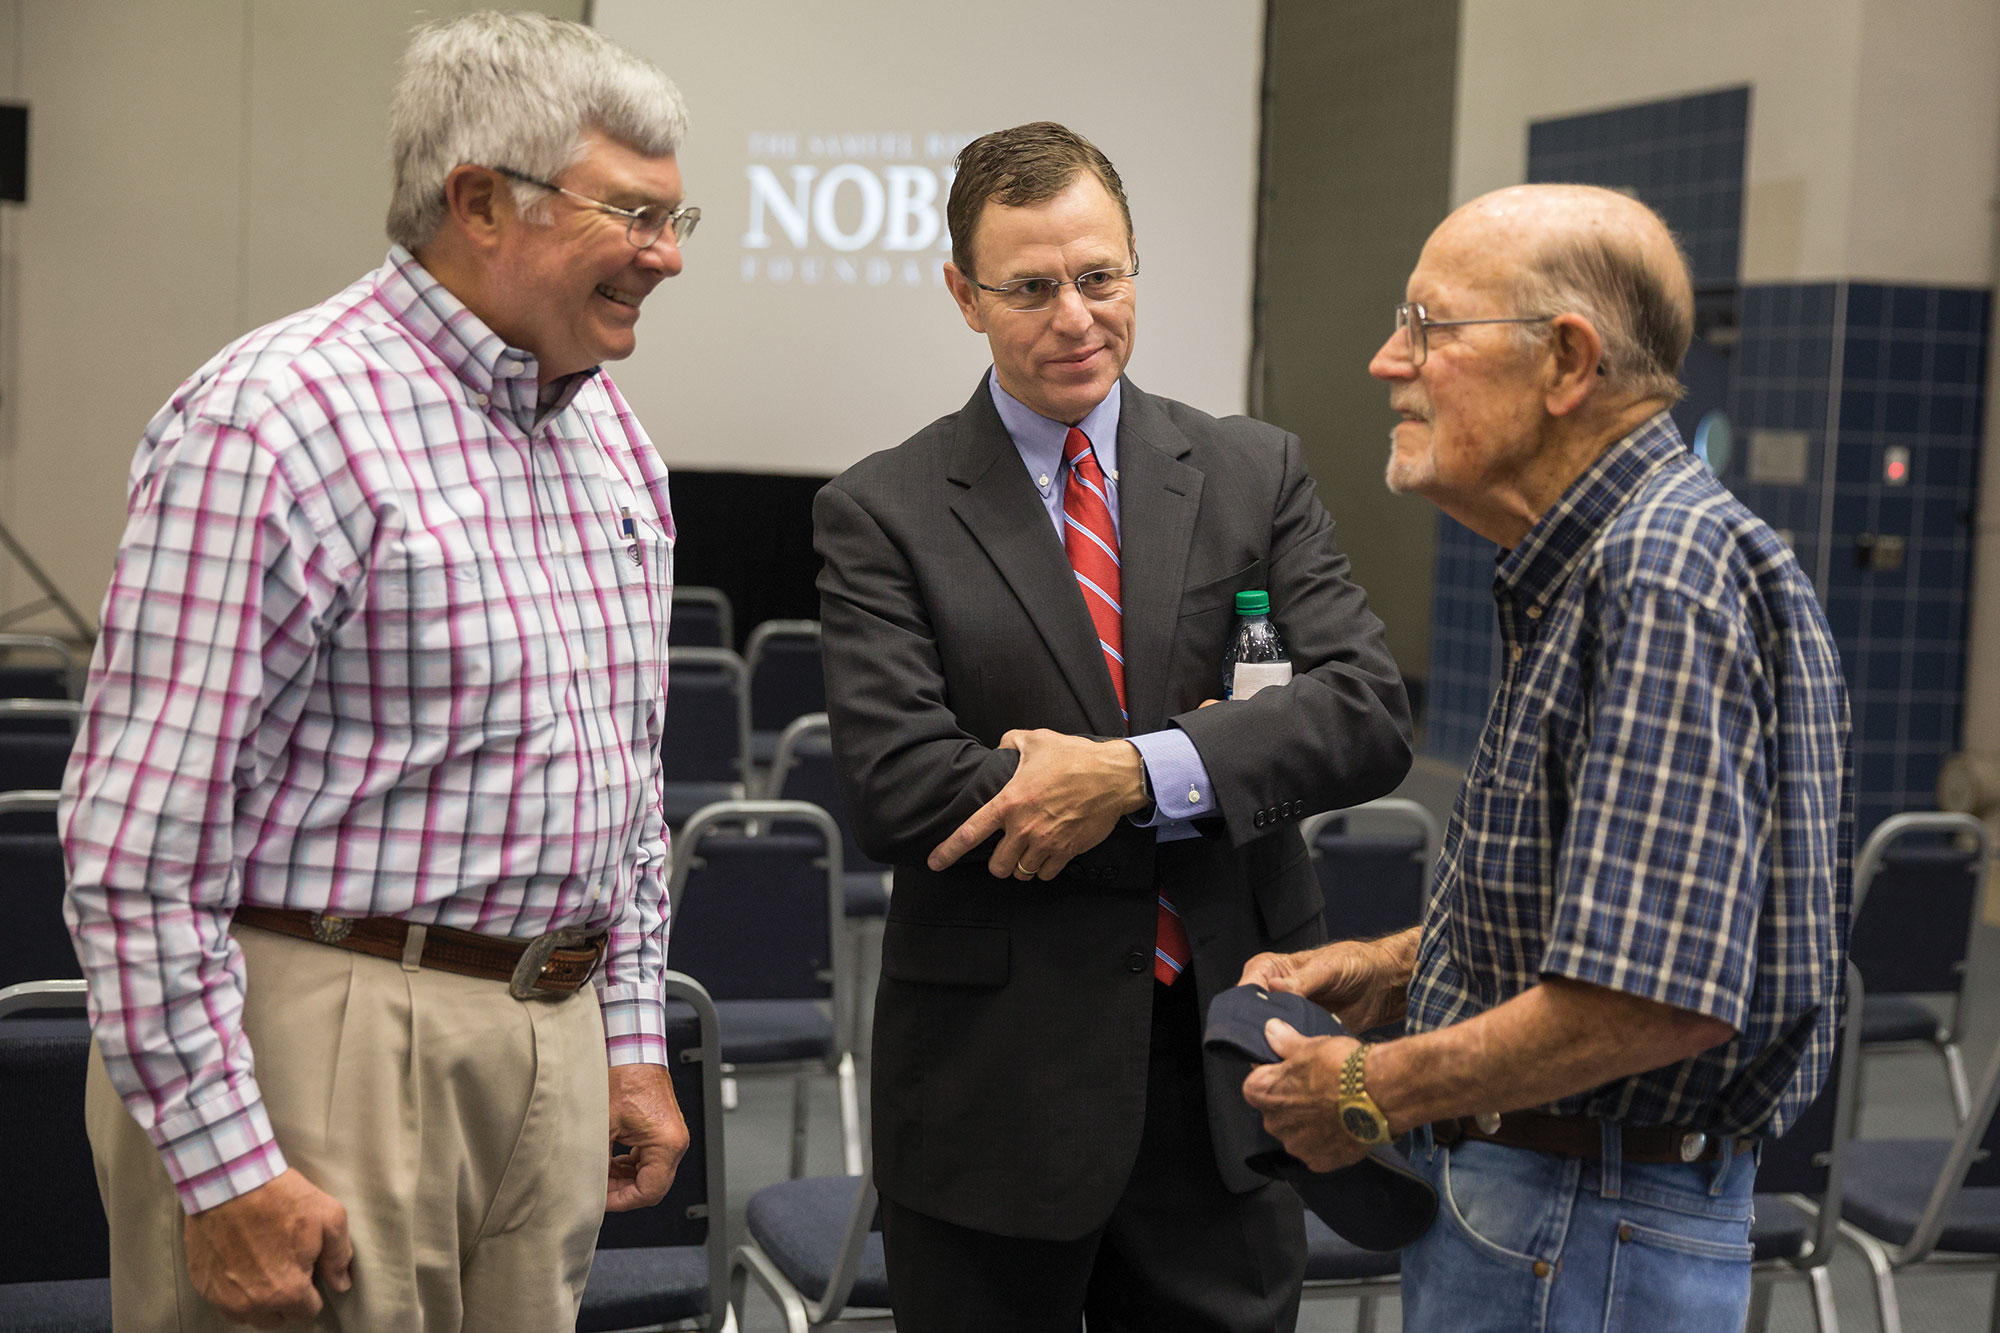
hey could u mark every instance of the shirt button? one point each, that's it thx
(510, 367)
(1135, 961)
(1514, 653)
(1042, 481)
(482, 400)
(604, 774)
(1534, 613)
(1194, 796)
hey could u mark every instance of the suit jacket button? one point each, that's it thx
(1262, 818)
(1135, 961)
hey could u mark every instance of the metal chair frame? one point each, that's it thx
(11, 642)
(1364, 1291)
(801, 1314)
(30, 801)
(1811, 1264)
(1945, 1042)
(1393, 807)
(728, 662)
(839, 1060)
(717, 598)
(41, 708)
(753, 654)
(1885, 1261)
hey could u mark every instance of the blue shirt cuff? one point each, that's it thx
(1179, 780)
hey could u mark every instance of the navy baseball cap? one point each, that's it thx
(1378, 1203)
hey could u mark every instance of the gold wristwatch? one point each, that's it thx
(1359, 1115)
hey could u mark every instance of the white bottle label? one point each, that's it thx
(1251, 677)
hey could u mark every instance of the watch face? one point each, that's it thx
(1359, 1124)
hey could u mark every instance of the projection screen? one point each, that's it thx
(811, 325)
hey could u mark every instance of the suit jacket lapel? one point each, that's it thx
(1158, 498)
(1004, 513)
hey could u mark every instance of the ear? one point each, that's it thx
(1575, 353)
(967, 296)
(473, 199)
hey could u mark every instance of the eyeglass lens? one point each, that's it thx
(1033, 294)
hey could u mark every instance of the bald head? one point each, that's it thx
(1556, 249)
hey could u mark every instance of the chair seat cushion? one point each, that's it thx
(1892, 1018)
(80, 1306)
(1888, 1182)
(761, 1032)
(866, 893)
(1330, 1259)
(800, 1225)
(1780, 1229)
(635, 1288)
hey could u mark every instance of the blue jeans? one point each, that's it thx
(1532, 1241)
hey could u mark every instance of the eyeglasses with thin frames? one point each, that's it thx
(1413, 323)
(643, 226)
(1028, 295)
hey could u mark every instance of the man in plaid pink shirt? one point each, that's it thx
(366, 850)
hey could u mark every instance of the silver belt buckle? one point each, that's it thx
(527, 980)
(1488, 1122)
(1691, 1146)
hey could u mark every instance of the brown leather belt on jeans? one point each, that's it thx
(557, 963)
(1583, 1136)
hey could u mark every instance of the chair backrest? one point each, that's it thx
(34, 760)
(695, 1211)
(35, 944)
(1372, 883)
(707, 721)
(32, 811)
(1918, 885)
(1808, 1157)
(53, 676)
(803, 770)
(1973, 1162)
(702, 618)
(53, 1227)
(758, 915)
(785, 675)
(59, 717)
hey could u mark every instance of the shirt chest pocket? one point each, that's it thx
(1497, 922)
(446, 645)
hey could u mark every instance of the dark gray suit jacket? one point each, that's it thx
(1011, 1028)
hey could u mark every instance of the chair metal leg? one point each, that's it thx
(1954, 1074)
(1364, 1315)
(1760, 1304)
(1996, 1305)
(850, 1117)
(1884, 1273)
(1825, 1318)
(751, 1262)
(801, 1107)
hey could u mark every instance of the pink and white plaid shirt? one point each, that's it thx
(380, 641)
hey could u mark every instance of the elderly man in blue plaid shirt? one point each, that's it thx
(1629, 970)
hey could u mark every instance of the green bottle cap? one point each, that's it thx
(1255, 602)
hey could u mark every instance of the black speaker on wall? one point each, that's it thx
(14, 152)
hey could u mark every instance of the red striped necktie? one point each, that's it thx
(1092, 545)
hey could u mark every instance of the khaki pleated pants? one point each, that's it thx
(465, 1132)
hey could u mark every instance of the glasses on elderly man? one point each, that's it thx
(1413, 323)
(643, 226)
(1028, 295)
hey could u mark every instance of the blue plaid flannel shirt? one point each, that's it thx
(1660, 803)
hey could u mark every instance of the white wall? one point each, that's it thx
(1874, 124)
(194, 170)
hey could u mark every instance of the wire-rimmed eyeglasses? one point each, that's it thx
(1412, 322)
(643, 226)
(1028, 295)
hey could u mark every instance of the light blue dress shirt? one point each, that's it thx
(1174, 770)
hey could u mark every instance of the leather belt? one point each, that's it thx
(1583, 1136)
(550, 965)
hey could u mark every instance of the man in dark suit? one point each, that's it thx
(1024, 608)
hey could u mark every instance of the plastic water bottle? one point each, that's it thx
(1257, 658)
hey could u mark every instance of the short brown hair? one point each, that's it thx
(1029, 164)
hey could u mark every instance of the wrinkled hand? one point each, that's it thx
(645, 1118)
(1343, 978)
(1297, 1097)
(1066, 796)
(255, 1256)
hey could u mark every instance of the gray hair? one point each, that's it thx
(1644, 316)
(520, 91)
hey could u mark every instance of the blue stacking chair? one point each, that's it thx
(1928, 1203)
(758, 920)
(667, 1267)
(704, 741)
(1919, 883)
(1799, 1184)
(1373, 862)
(815, 1247)
(55, 1248)
(35, 945)
(1338, 1271)
(22, 676)
(702, 618)
(786, 681)
(36, 737)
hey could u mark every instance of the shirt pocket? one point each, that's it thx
(1497, 918)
